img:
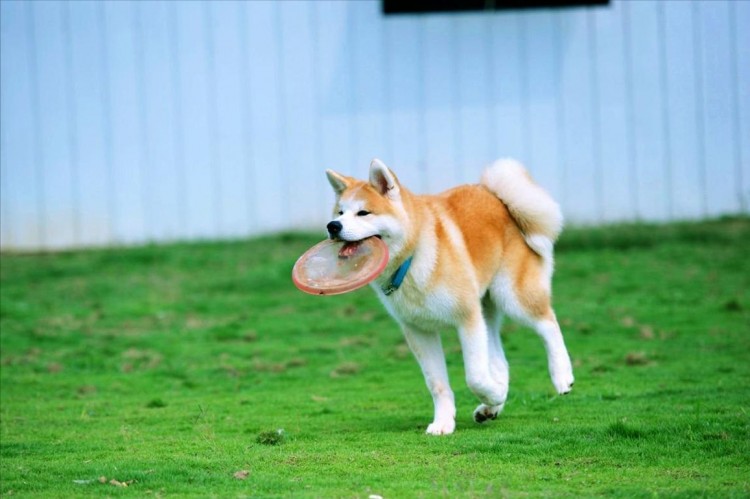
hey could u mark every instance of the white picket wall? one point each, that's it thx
(128, 122)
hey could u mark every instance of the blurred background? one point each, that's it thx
(131, 122)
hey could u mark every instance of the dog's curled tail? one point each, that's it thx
(538, 215)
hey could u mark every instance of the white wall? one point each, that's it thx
(126, 122)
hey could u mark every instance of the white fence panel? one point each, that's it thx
(613, 117)
(686, 155)
(740, 17)
(128, 121)
(581, 193)
(719, 102)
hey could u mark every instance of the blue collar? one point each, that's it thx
(398, 277)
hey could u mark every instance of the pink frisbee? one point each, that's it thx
(335, 267)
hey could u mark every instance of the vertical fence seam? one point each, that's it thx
(736, 126)
(212, 119)
(595, 103)
(352, 104)
(630, 106)
(664, 88)
(491, 83)
(560, 112)
(313, 19)
(421, 109)
(145, 149)
(178, 131)
(282, 130)
(72, 119)
(39, 159)
(699, 103)
(246, 120)
(523, 71)
(458, 158)
(386, 72)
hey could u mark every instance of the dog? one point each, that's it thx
(462, 259)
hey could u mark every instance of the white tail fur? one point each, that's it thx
(536, 213)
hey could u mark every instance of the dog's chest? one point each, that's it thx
(409, 305)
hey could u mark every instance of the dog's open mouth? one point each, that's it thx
(350, 248)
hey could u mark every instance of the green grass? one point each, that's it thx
(171, 368)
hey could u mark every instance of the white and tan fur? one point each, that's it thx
(480, 252)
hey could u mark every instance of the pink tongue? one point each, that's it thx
(349, 249)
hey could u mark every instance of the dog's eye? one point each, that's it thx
(362, 213)
(341, 212)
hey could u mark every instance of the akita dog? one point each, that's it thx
(462, 259)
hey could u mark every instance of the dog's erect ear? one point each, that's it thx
(338, 182)
(384, 180)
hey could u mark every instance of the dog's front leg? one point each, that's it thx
(428, 350)
(475, 347)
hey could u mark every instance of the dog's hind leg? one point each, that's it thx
(428, 350)
(530, 304)
(493, 318)
(558, 360)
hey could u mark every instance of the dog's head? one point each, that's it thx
(368, 208)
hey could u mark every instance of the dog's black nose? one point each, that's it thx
(334, 228)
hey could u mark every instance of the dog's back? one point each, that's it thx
(507, 222)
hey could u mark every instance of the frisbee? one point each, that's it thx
(335, 267)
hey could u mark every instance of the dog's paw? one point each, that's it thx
(486, 412)
(442, 427)
(563, 381)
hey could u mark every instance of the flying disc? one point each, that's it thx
(334, 267)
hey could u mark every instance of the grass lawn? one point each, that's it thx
(167, 371)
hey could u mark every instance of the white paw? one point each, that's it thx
(562, 377)
(441, 427)
(485, 412)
